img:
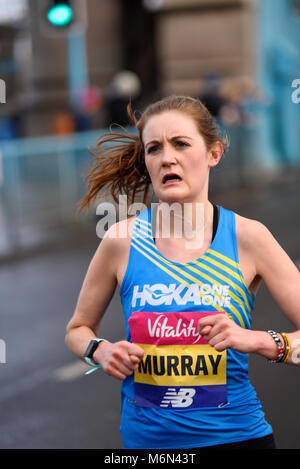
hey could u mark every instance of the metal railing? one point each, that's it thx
(41, 182)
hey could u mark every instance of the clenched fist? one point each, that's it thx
(221, 332)
(118, 359)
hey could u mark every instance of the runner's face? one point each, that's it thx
(174, 146)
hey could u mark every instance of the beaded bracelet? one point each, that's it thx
(280, 346)
(287, 347)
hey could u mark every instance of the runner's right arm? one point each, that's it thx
(117, 359)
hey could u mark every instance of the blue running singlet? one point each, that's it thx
(185, 394)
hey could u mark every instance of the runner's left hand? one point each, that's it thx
(221, 332)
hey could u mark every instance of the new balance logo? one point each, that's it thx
(182, 398)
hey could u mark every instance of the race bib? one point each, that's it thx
(179, 370)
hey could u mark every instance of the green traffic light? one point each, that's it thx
(60, 15)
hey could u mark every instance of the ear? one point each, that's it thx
(215, 154)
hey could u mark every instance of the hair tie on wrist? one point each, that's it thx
(287, 347)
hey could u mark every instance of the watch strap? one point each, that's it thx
(90, 362)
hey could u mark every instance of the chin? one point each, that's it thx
(171, 197)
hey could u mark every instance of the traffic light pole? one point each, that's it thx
(77, 63)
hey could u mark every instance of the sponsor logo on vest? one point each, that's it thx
(161, 294)
(161, 329)
(181, 399)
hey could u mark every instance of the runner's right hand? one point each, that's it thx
(118, 359)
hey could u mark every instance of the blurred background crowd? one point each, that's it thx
(68, 69)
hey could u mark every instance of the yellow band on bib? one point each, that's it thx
(181, 365)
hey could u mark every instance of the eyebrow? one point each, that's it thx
(173, 138)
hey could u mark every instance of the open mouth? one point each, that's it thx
(171, 178)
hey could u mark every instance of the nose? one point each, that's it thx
(168, 155)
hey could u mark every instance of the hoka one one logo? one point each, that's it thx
(160, 294)
(182, 398)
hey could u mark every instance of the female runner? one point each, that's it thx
(187, 297)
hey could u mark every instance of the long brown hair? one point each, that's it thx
(119, 163)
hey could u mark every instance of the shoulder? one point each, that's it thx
(259, 244)
(118, 236)
(112, 253)
(251, 233)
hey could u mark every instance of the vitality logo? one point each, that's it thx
(182, 398)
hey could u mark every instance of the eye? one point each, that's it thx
(153, 149)
(181, 144)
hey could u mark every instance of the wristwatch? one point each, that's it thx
(88, 356)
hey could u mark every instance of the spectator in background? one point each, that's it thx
(231, 113)
(211, 95)
(64, 123)
(86, 107)
(125, 87)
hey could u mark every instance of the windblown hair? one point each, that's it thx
(119, 163)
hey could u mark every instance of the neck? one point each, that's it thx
(191, 222)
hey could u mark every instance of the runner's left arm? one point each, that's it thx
(282, 279)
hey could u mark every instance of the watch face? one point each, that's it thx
(91, 348)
